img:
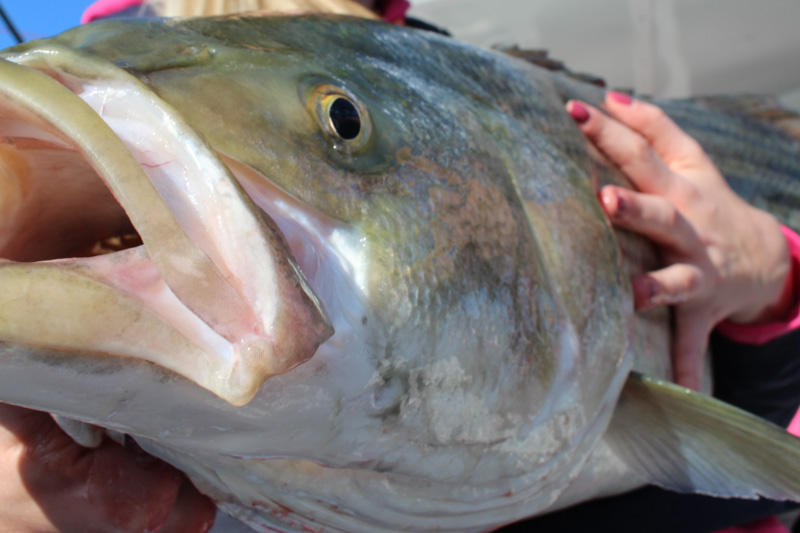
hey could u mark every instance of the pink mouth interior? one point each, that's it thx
(59, 207)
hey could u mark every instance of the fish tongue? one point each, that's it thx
(206, 246)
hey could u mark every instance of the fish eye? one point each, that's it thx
(343, 118)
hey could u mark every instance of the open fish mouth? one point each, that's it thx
(121, 221)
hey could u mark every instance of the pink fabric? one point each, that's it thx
(395, 11)
(104, 8)
(763, 333)
(765, 525)
(794, 425)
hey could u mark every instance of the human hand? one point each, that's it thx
(724, 259)
(50, 483)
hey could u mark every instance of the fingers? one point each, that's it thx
(672, 285)
(628, 149)
(659, 220)
(680, 209)
(670, 142)
(652, 216)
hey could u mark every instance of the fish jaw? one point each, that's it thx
(214, 276)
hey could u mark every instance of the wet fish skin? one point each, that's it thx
(482, 320)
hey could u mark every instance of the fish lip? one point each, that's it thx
(195, 266)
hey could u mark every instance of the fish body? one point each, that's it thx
(375, 290)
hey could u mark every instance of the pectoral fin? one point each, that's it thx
(688, 442)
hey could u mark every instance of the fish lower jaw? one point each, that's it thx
(118, 305)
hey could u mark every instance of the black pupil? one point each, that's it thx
(345, 119)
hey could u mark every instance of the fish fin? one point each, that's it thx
(689, 442)
(762, 107)
(541, 58)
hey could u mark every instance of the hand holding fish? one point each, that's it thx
(724, 259)
(50, 483)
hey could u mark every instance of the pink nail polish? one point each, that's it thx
(644, 293)
(622, 205)
(622, 98)
(578, 112)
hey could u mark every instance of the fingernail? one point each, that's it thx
(613, 204)
(644, 293)
(578, 112)
(622, 98)
(622, 206)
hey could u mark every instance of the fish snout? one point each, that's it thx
(123, 234)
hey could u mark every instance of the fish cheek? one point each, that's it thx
(453, 268)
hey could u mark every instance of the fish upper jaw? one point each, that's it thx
(213, 294)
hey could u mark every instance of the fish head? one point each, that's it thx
(405, 225)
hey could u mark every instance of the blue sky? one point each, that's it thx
(40, 18)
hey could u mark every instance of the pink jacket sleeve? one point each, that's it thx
(394, 11)
(104, 8)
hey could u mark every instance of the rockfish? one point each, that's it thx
(349, 276)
